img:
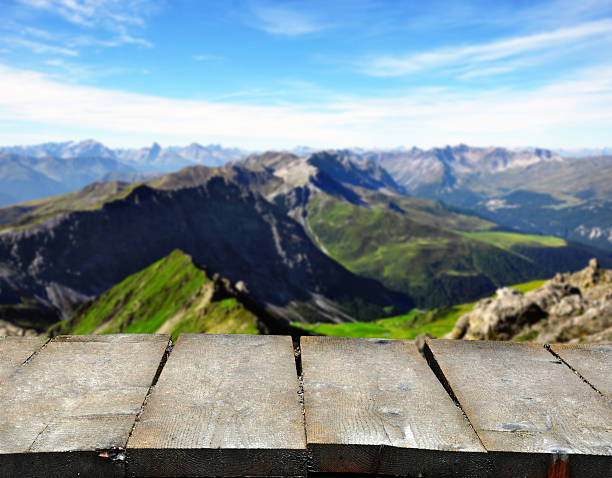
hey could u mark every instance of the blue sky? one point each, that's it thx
(262, 74)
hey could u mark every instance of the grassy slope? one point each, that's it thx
(172, 295)
(507, 240)
(434, 266)
(436, 322)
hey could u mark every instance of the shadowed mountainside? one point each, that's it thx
(68, 257)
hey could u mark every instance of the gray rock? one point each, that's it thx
(498, 319)
(569, 308)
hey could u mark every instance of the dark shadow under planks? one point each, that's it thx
(529, 409)
(592, 361)
(374, 406)
(14, 351)
(74, 402)
(224, 405)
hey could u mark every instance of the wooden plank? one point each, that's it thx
(592, 361)
(75, 403)
(374, 406)
(529, 409)
(224, 405)
(14, 351)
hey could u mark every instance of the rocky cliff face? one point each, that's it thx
(73, 256)
(569, 308)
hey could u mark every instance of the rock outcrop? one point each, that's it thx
(568, 308)
(6, 328)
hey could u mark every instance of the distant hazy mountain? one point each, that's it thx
(440, 169)
(156, 158)
(32, 172)
(534, 190)
(153, 158)
(23, 178)
(69, 149)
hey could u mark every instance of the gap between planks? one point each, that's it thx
(160, 368)
(582, 377)
(437, 371)
(31, 357)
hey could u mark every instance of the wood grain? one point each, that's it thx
(14, 351)
(374, 406)
(592, 361)
(224, 405)
(78, 398)
(527, 405)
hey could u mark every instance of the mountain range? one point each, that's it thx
(332, 236)
(34, 172)
(535, 191)
(61, 257)
(530, 190)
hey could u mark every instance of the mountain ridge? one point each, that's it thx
(71, 256)
(173, 295)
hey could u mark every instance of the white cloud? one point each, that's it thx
(284, 20)
(390, 65)
(570, 113)
(125, 38)
(39, 47)
(37, 33)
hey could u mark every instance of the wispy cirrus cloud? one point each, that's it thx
(123, 37)
(38, 47)
(485, 53)
(116, 17)
(93, 12)
(284, 19)
(74, 72)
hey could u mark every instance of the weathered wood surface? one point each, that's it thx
(229, 406)
(374, 405)
(593, 362)
(14, 351)
(528, 407)
(75, 402)
(224, 405)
